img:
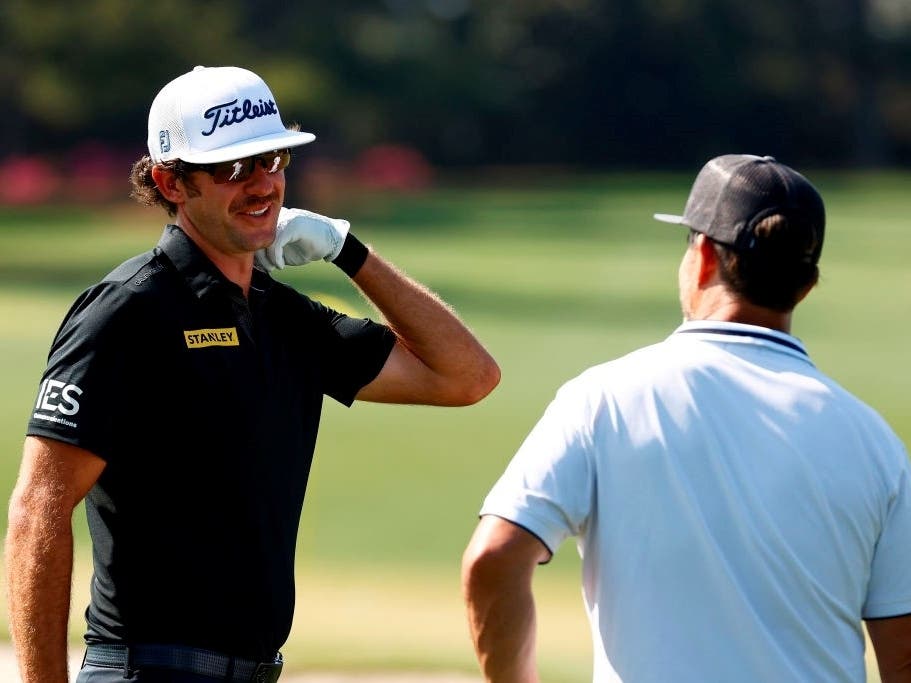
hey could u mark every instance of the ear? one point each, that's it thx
(167, 183)
(707, 259)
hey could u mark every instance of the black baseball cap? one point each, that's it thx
(734, 192)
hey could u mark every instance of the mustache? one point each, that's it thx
(254, 202)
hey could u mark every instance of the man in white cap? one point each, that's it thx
(738, 513)
(182, 399)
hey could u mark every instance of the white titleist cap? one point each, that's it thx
(214, 114)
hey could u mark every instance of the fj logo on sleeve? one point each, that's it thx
(215, 336)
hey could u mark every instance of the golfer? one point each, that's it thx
(738, 513)
(182, 398)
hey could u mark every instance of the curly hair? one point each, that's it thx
(778, 270)
(145, 191)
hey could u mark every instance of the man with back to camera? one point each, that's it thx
(182, 399)
(738, 513)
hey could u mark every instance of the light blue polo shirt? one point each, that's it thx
(737, 511)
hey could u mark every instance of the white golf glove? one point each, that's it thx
(301, 237)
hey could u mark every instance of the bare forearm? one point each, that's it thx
(497, 570)
(39, 571)
(898, 676)
(891, 639)
(891, 671)
(502, 627)
(429, 329)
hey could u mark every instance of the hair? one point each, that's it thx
(776, 272)
(146, 192)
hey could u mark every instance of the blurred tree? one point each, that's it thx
(639, 83)
(86, 69)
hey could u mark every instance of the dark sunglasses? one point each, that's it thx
(241, 169)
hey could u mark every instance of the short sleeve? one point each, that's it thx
(548, 486)
(83, 384)
(889, 590)
(356, 351)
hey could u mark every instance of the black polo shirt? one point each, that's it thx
(205, 407)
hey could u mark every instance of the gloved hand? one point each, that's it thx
(301, 237)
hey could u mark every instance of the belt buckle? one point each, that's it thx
(267, 673)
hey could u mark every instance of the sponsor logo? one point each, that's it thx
(216, 336)
(54, 418)
(229, 113)
(156, 268)
(164, 141)
(55, 397)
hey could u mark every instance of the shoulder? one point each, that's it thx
(599, 388)
(630, 370)
(871, 425)
(139, 267)
(625, 389)
(116, 296)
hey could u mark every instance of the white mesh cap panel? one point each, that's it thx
(214, 114)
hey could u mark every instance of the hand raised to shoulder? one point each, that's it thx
(302, 237)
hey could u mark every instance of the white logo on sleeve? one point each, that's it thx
(57, 399)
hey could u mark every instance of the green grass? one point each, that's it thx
(553, 277)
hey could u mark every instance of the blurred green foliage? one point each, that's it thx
(467, 82)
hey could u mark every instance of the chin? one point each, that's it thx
(269, 235)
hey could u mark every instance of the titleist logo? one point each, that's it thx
(229, 113)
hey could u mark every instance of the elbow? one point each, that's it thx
(479, 568)
(491, 378)
(26, 510)
(24, 524)
(17, 518)
(35, 514)
(482, 382)
(487, 567)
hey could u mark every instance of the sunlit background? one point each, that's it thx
(509, 154)
(399, 90)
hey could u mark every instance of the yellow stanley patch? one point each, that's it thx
(216, 336)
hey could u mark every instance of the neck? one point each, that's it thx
(236, 267)
(718, 304)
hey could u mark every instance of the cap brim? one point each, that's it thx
(669, 218)
(247, 148)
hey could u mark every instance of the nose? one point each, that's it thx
(261, 182)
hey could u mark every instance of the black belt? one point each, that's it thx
(190, 660)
